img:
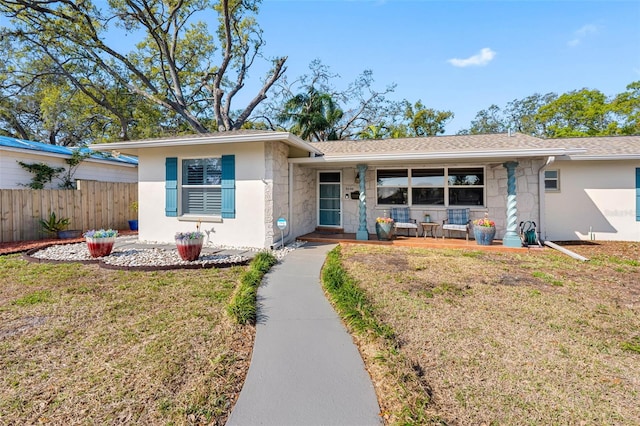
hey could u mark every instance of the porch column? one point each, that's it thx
(362, 233)
(511, 238)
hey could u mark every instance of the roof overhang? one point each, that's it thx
(613, 157)
(393, 157)
(128, 162)
(133, 147)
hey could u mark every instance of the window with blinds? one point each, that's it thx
(201, 186)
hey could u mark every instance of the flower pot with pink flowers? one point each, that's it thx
(484, 230)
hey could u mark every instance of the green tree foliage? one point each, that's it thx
(373, 131)
(42, 174)
(577, 113)
(313, 115)
(179, 71)
(313, 108)
(422, 121)
(626, 107)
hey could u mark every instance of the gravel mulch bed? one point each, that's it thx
(139, 258)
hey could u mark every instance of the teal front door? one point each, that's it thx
(329, 199)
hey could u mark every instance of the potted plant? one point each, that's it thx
(189, 244)
(57, 225)
(100, 242)
(133, 224)
(484, 230)
(384, 228)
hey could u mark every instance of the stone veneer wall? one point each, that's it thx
(276, 189)
(496, 196)
(527, 193)
(304, 213)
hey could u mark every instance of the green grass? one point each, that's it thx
(353, 305)
(349, 299)
(34, 298)
(500, 338)
(633, 345)
(85, 345)
(242, 307)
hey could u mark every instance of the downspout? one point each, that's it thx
(566, 251)
(542, 197)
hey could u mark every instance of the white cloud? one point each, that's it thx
(581, 33)
(482, 58)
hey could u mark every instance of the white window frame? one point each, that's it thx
(182, 186)
(340, 198)
(556, 179)
(446, 187)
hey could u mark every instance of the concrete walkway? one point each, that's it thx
(305, 368)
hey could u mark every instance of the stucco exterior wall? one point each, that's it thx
(597, 200)
(12, 176)
(276, 190)
(247, 229)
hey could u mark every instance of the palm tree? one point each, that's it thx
(374, 132)
(313, 115)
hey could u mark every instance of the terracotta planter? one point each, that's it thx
(189, 249)
(99, 247)
(484, 234)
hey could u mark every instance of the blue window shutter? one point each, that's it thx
(171, 186)
(637, 194)
(228, 186)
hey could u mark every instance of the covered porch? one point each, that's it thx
(416, 242)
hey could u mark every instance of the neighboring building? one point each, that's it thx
(237, 184)
(99, 166)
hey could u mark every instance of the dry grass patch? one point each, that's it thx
(503, 338)
(84, 345)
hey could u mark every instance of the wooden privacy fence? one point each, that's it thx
(93, 205)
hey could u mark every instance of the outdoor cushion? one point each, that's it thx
(458, 216)
(457, 220)
(402, 220)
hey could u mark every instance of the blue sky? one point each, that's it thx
(460, 55)
(456, 55)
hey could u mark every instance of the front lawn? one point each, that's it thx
(85, 345)
(502, 338)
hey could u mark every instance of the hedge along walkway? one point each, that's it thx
(305, 368)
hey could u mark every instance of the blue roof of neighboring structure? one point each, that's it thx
(63, 150)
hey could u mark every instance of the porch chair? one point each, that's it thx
(401, 219)
(457, 220)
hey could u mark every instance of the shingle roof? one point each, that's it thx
(501, 141)
(604, 146)
(595, 146)
(62, 150)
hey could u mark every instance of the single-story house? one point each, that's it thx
(237, 185)
(98, 166)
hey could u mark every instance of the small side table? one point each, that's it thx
(430, 227)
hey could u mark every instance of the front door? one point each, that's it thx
(329, 199)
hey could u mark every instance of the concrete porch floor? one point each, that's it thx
(411, 241)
